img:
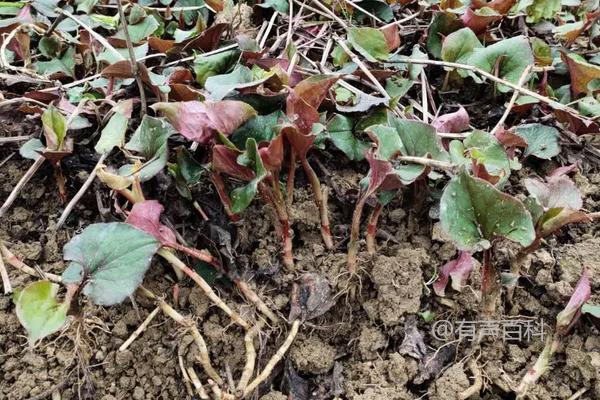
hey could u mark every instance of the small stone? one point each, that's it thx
(138, 393)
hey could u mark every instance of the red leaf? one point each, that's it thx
(298, 140)
(379, 172)
(224, 160)
(392, 37)
(458, 270)
(200, 121)
(208, 40)
(567, 169)
(478, 23)
(455, 122)
(569, 316)
(146, 217)
(304, 100)
(161, 45)
(581, 72)
(272, 154)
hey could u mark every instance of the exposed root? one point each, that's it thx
(477, 385)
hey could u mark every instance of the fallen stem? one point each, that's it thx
(80, 193)
(274, 360)
(139, 330)
(250, 358)
(5, 279)
(11, 259)
(177, 263)
(512, 101)
(187, 323)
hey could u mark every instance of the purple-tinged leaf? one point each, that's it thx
(458, 270)
(201, 121)
(224, 160)
(146, 217)
(557, 192)
(569, 316)
(567, 169)
(272, 154)
(457, 121)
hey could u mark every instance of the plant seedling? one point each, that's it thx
(301, 108)
(565, 321)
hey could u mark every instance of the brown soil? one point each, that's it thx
(355, 346)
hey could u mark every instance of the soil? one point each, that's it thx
(356, 350)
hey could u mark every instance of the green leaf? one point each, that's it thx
(39, 312)
(261, 128)
(207, 66)
(484, 148)
(388, 141)
(369, 42)
(141, 30)
(473, 213)
(113, 134)
(31, 149)
(150, 140)
(278, 5)
(511, 55)
(55, 128)
(414, 70)
(591, 309)
(539, 9)
(220, 86)
(49, 46)
(378, 8)
(418, 139)
(458, 46)
(64, 64)
(442, 25)
(242, 197)
(542, 140)
(109, 260)
(190, 169)
(341, 133)
(110, 58)
(85, 6)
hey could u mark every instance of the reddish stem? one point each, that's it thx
(277, 203)
(489, 288)
(372, 227)
(201, 255)
(354, 233)
(320, 201)
(223, 196)
(290, 178)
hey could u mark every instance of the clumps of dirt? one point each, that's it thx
(239, 16)
(274, 395)
(380, 379)
(370, 341)
(572, 258)
(399, 285)
(451, 383)
(313, 356)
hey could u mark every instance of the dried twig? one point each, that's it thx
(512, 101)
(11, 259)
(22, 182)
(140, 329)
(5, 279)
(132, 60)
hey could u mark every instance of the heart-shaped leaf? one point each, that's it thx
(542, 140)
(454, 122)
(484, 149)
(32, 149)
(38, 310)
(113, 134)
(369, 42)
(458, 46)
(201, 121)
(473, 213)
(109, 260)
(582, 72)
(509, 56)
(150, 140)
(341, 133)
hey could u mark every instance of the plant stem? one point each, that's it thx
(4, 275)
(286, 238)
(290, 179)
(489, 288)
(372, 227)
(177, 263)
(22, 182)
(132, 60)
(354, 234)
(217, 180)
(540, 366)
(320, 201)
(139, 329)
(248, 370)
